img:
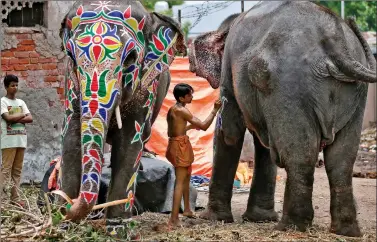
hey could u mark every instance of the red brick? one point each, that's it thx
(25, 48)
(22, 54)
(4, 61)
(48, 66)
(34, 54)
(20, 67)
(34, 67)
(52, 72)
(60, 90)
(16, 73)
(23, 36)
(47, 60)
(24, 73)
(7, 54)
(7, 68)
(27, 42)
(34, 60)
(51, 78)
(19, 61)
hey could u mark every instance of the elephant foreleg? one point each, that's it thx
(229, 136)
(261, 201)
(125, 160)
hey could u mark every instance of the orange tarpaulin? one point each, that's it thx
(201, 106)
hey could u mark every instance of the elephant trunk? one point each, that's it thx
(92, 146)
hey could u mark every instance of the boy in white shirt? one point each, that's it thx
(14, 116)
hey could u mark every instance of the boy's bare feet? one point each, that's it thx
(189, 214)
(171, 225)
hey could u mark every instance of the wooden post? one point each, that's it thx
(179, 16)
(242, 6)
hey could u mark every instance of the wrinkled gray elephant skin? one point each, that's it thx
(296, 76)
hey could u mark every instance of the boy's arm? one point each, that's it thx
(28, 118)
(195, 122)
(10, 118)
(190, 126)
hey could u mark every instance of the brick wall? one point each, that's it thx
(25, 61)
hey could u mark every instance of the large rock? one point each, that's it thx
(154, 189)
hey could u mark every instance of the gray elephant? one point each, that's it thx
(117, 77)
(295, 75)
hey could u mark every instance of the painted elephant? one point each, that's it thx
(117, 77)
(296, 76)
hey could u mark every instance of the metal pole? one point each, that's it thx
(342, 9)
(242, 6)
(179, 16)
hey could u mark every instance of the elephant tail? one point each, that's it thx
(342, 66)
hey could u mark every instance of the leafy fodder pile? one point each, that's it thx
(43, 223)
(46, 224)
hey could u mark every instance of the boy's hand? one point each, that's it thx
(217, 105)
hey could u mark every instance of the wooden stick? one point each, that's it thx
(96, 207)
(109, 204)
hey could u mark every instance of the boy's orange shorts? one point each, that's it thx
(179, 152)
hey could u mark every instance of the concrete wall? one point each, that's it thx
(35, 56)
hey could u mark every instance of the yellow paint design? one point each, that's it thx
(84, 126)
(98, 125)
(75, 21)
(132, 180)
(133, 23)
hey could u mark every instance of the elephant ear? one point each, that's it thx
(165, 39)
(206, 54)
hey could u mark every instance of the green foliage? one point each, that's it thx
(186, 28)
(364, 11)
(149, 5)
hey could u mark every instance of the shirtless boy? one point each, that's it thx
(179, 151)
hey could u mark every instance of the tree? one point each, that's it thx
(363, 11)
(149, 5)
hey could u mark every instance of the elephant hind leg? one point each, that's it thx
(299, 157)
(261, 201)
(340, 157)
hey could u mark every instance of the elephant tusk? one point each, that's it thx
(117, 115)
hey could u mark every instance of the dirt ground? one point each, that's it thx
(197, 229)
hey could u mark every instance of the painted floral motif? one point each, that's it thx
(99, 42)
(139, 132)
(131, 200)
(157, 47)
(151, 98)
(93, 49)
(70, 96)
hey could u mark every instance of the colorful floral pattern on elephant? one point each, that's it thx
(99, 42)
(157, 48)
(131, 198)
(152, 89)
(68, 105)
